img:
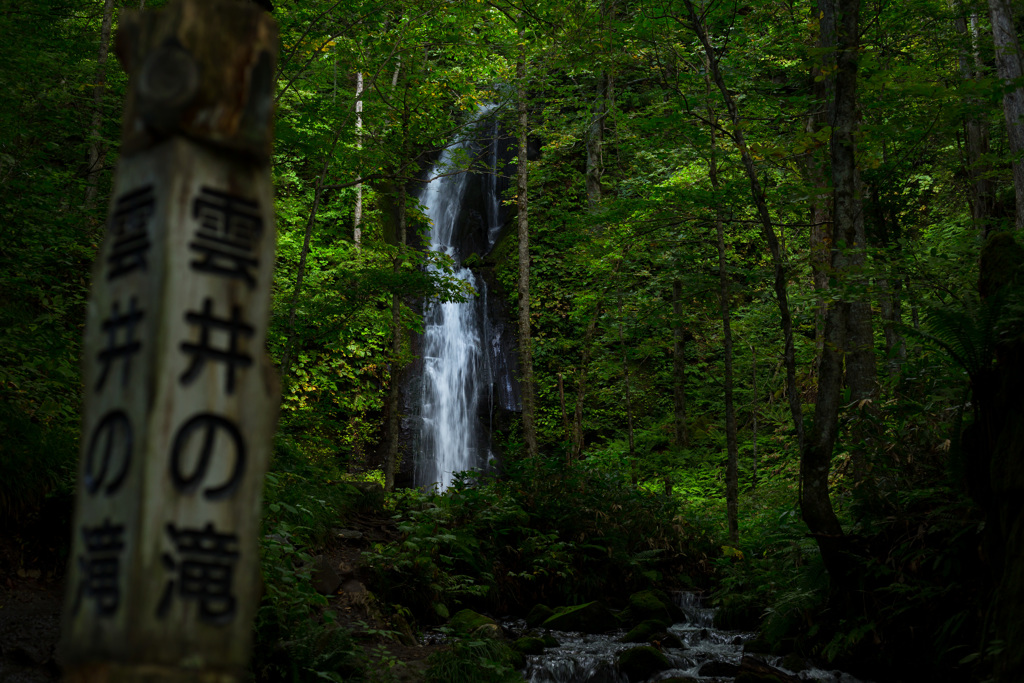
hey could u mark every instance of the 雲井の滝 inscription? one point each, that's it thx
(180, 398)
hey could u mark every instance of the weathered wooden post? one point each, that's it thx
(180, 399)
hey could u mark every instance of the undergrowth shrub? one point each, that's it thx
(36, 459)
(543, 533)
(473, 660)
(912, 609)
(296, 640)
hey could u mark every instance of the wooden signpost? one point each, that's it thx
(180, 398)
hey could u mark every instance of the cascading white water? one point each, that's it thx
(453, 358)
(468, 385)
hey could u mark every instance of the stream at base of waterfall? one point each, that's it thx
(700, 652)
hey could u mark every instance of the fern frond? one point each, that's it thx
(967, 332)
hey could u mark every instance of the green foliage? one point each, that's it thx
(545, 531)
(564, 536)
(296, 640)
(37, 459)
(966, 331)
(469, 660)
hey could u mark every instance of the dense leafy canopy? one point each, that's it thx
(604, 275)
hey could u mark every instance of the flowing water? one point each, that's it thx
(707, 654)
(465, 352)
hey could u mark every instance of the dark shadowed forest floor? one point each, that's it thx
(32, 572)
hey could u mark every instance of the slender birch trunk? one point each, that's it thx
(357, 227)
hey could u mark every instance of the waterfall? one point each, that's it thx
(451, 348)
(468, 366)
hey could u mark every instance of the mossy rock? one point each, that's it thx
(795, 662)
(528, 645)
(757, 646)
(675, 612)
(592, 617)
(640, 663)
(538, 615)
(642, 632)
(468, 621)
(647, 605)
(550, 640)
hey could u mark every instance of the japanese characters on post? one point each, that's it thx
(180, 399)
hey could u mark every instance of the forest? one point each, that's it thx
(756, 271)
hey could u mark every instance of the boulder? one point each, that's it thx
(795, 662)
(489, 631)
(550, 641)
(468, 621)
(646, 605)
(640, 663)
(529, 645)
(642, 632)
(752, 670)
(538, 615)
(592, 617)
(758, 645)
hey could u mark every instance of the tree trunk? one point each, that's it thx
(95, 127)
(633, 467)
(821, 214)
(286, 360)
(1009, 69)
(357, 223)
(753, 408)
(982, 192)
(581, 385)
(861, 359)
(566, 430)
(595, 134)
(525, 352)
(391, 456)
(732, 467)
(839, 25)
(767, 230)
(682, 438)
